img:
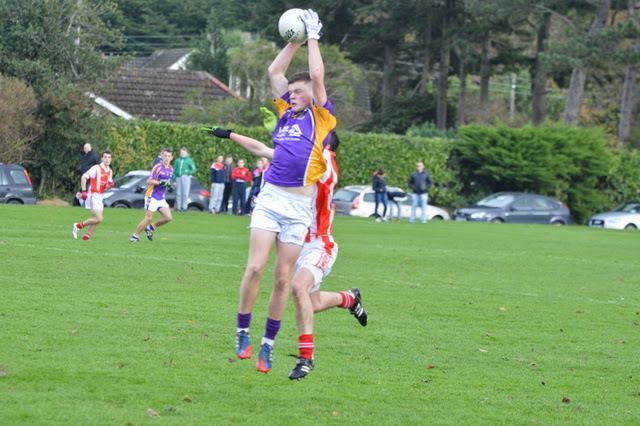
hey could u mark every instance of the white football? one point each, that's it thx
(291, 27)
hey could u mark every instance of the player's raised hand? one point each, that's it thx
(218, 132)
(313, 24)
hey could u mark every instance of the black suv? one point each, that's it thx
(129, 190)
(15, 185)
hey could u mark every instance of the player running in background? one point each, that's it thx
(283, 211)
(159, 180)
(100, 177)
(318, 254)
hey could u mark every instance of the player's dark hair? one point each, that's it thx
(105, 152)
(380, 172)
(169, 150)
(334, 142)
(300, 76)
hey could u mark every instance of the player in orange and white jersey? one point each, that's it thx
(101, 178)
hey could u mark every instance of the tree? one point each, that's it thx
(19, 126)
(629, 87)
(52, 46)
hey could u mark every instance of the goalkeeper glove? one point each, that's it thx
(165, 183)
(270, 119)
(218, 132)
(313, 24)
(110, 184)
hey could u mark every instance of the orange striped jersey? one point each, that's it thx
(298, 142)
(322, 212)
(99, 176)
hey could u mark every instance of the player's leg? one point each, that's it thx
(93, 223)
(286, 255)
(166, 217)
(148, 216)
(260, 243)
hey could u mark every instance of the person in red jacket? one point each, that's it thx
(240, 176)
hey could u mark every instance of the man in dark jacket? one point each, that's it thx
(89, 159)
(420, 182)
(228, 184)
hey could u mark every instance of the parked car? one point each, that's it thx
(625, 216)
(15, 185)
(359, 200)
(128, 192)
(516, 207)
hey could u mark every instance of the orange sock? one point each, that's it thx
(347, 300)
(305, 345)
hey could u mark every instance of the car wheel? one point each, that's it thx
(496, 220)
(437, 218)
(557, 223)
(120, 206)
(14, 202)
(193, 208)
(630, 226)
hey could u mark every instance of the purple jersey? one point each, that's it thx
(298, 141)
(161, 173)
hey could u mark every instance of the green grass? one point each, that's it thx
(513, 318)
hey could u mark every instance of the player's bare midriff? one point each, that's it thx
(305, 191)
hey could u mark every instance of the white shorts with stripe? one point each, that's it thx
(153, 204)
(289, 215)
(318, 256)
(94, 201)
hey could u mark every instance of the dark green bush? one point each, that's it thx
(567, 163)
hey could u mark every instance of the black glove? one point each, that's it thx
(166, 183)
(218, 132)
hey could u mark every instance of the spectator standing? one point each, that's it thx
(240, 176)
(184, 168)
(217, 185)
(419, 182)
(256, 174)
(228, 183)
(379, 186)
(158, 158)
(393, 197)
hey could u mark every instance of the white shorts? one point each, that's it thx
(94, 201)
(318, 257)
(153, 204)
(289, 215)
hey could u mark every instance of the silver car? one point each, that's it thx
(625, 216)
(359, 200)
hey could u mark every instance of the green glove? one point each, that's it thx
(270, 119)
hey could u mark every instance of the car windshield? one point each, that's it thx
(128, 181)
(344, 195)
(628, 208)
(496, 200)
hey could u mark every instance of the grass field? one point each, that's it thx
(469, 323)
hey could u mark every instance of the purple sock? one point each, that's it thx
(271, 329)
(244, 320)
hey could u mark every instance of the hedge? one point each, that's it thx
(136, 143)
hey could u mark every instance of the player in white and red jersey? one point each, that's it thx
(101, 178)
(318, 255)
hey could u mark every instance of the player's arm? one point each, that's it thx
(316, 64)
(252, 145)
(278, 69)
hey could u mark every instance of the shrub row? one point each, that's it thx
(567, 163)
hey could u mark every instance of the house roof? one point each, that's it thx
(168, 58)
(159, 94)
